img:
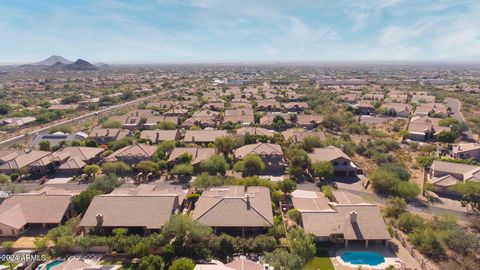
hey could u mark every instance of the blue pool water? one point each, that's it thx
(52, 264)
(363, 257)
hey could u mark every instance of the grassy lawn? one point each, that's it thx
(320, 262)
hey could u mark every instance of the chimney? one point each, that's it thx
(99, 220)
(353, 217)
(156, 138)
(193, 138)
(248, 201)
(108, 133)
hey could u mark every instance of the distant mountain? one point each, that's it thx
(80, 64)
(52, 60)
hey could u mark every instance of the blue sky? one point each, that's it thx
(239, 30)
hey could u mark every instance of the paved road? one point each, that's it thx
(102, 112)
(368, 195)
(455, 105)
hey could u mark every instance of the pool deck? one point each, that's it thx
(400, 253)
(390, 258)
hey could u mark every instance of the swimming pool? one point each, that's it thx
(53, 263)
(362, 257)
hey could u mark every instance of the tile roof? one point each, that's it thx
(259, 149)
(233, 207)
(144, 206)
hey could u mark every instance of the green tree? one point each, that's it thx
(4, 179)
(446, 136)
(182, 264)
(281, 259)
(395, 207)
(322, 169)
(44, 145)
(91, 170)
(116, 167)
(165, 125)
(429, 243)
(278, 122)
(182, 169)
(223, 245)
(82, 201)
(408, 222)
(147, 166)
(295, 215)
(327, 190)
(251, 164)
(188, 237)
(264, 243)
(470, 192)
(41, 244)
(151, 262)
(225, 144)
(205, 180)
(7, 246)
(310, 142)
(287, 186)
(105, 183)
(112, 124)
(298, 161)
(301, 244)
(185, 158)
(162, 150)
(215, 164)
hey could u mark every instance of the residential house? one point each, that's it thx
(424, 128)
(267, 121)
(271, 154)
(214, 106)
(423, 99)
(397, 109)
(351, 222)
(239, 263)
(132, 154)
(128, 122)
(67, 160)
(153, 120)
(466, 151)
(296, 106)
(244, 117)
(15, 122)
(256, 131)
(156, 136)
(47, 208)
(342, 163)
(297, 135)
(57, 138)
(268, 105)
(308, 121)
(234, 209)
(363, 107)
(106, 135)
(17, 162)
(144, 208)
(198, 155)
(204, 118)
(445, 174)
(176, 111)
(203, 136)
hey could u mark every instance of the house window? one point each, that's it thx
(345, 163)
(13, 231)
(335, 163)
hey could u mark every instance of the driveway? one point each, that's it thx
(447, 207)
(455, 105)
